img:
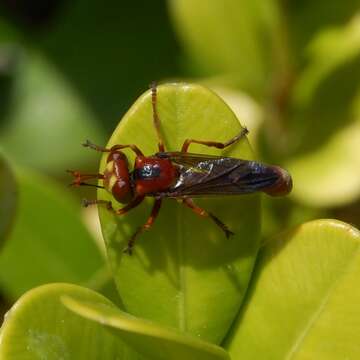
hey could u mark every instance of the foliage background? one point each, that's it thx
(70, 70)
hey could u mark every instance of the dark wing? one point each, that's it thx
(202, 175)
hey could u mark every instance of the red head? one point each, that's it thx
(117, 178)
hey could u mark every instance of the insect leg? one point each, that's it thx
(133, 147)
(109, 206)
(156, 116)
(95, 147)
(200, 211)
(146, 226)
(216, 144)
(79, 178)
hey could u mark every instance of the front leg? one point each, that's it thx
(133, 147)
(149, 222)
(109, 206)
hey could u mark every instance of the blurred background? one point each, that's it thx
(70, 70)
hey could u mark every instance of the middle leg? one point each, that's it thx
(200, 211)
(149, 222)
(215, 144)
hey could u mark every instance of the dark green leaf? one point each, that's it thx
(48, 241)
(8, 199)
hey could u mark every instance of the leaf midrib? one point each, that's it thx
(180, 246)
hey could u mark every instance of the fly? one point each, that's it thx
(180, 175)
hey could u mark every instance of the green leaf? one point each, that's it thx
(244, 107)
(149, 339)
(8, 199)
(39, 326)
(184, 273)
(325, 128)
(243, 40)
(303, 301)
(48, 242)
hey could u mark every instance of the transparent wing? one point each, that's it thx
(201, 175)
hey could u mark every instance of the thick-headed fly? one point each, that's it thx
(180, 175)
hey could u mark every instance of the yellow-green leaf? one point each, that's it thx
(39, 326)
(153, 341)
(184, 273)
(303, 301)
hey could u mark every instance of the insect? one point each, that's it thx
(179, 175)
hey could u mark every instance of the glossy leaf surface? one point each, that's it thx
(153, 341)
(39, 326)
(303, 299)
(184, 273)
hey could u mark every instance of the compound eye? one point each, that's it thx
(116, 177)
(121, 191)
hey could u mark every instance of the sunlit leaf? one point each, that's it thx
(153, 341)
(39, 326)
(303, 299)
(245, 108)
(196, 277)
